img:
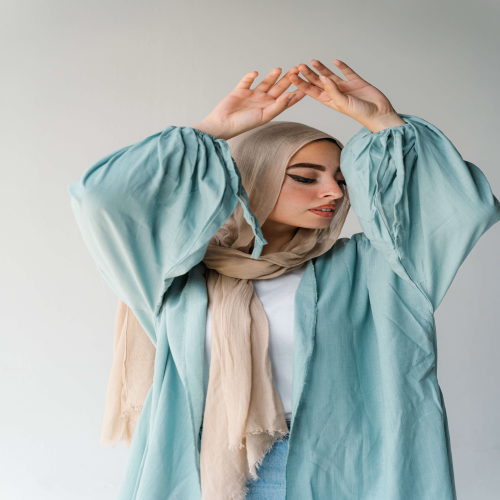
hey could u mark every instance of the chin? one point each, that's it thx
(309, 221)
(319, 224)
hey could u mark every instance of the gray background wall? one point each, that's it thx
(81, 79)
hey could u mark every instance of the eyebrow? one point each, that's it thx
(309, 165)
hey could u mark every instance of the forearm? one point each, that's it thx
(376, 125)
(213, 129)
(385, 121)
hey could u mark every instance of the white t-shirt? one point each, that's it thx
(277, 297)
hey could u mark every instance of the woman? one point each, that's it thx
(174, 233)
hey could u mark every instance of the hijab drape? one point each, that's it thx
(243, 415)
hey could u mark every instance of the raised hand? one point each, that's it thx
(355, 97)
(245, 108)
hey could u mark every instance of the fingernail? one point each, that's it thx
(291, 96)
(324, 79)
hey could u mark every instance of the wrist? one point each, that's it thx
(212, 129)
(384, 121)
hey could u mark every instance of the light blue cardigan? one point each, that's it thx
(369, 420)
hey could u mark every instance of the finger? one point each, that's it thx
(306, 87)
(299, 95)
(331, 96)
(286, 102)
(283, 84)
(269, 80)
(339, 99)
(321, 69)
(247, 80)
(346, 70)
(283, 102)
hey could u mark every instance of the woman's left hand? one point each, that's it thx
(355, 97)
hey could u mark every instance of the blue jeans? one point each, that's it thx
(271, 482)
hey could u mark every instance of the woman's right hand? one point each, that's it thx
(245, 108)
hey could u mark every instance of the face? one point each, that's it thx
(312, 180)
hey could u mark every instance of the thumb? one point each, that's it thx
(339, 99)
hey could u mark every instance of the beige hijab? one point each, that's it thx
(243, 415)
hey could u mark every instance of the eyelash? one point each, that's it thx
(305, 180)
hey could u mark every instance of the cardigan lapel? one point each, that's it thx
(194, 341)
(186, 310)
(305, 313)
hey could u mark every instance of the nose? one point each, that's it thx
(331, 190)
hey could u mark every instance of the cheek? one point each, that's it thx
(294, 198)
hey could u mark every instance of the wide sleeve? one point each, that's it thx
(148, 211)
(418, 202)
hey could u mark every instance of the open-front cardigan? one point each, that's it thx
(369, 420)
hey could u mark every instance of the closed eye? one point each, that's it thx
(306, 180)
(301, 179)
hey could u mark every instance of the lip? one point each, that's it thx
(327, 205)
(319, 212)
